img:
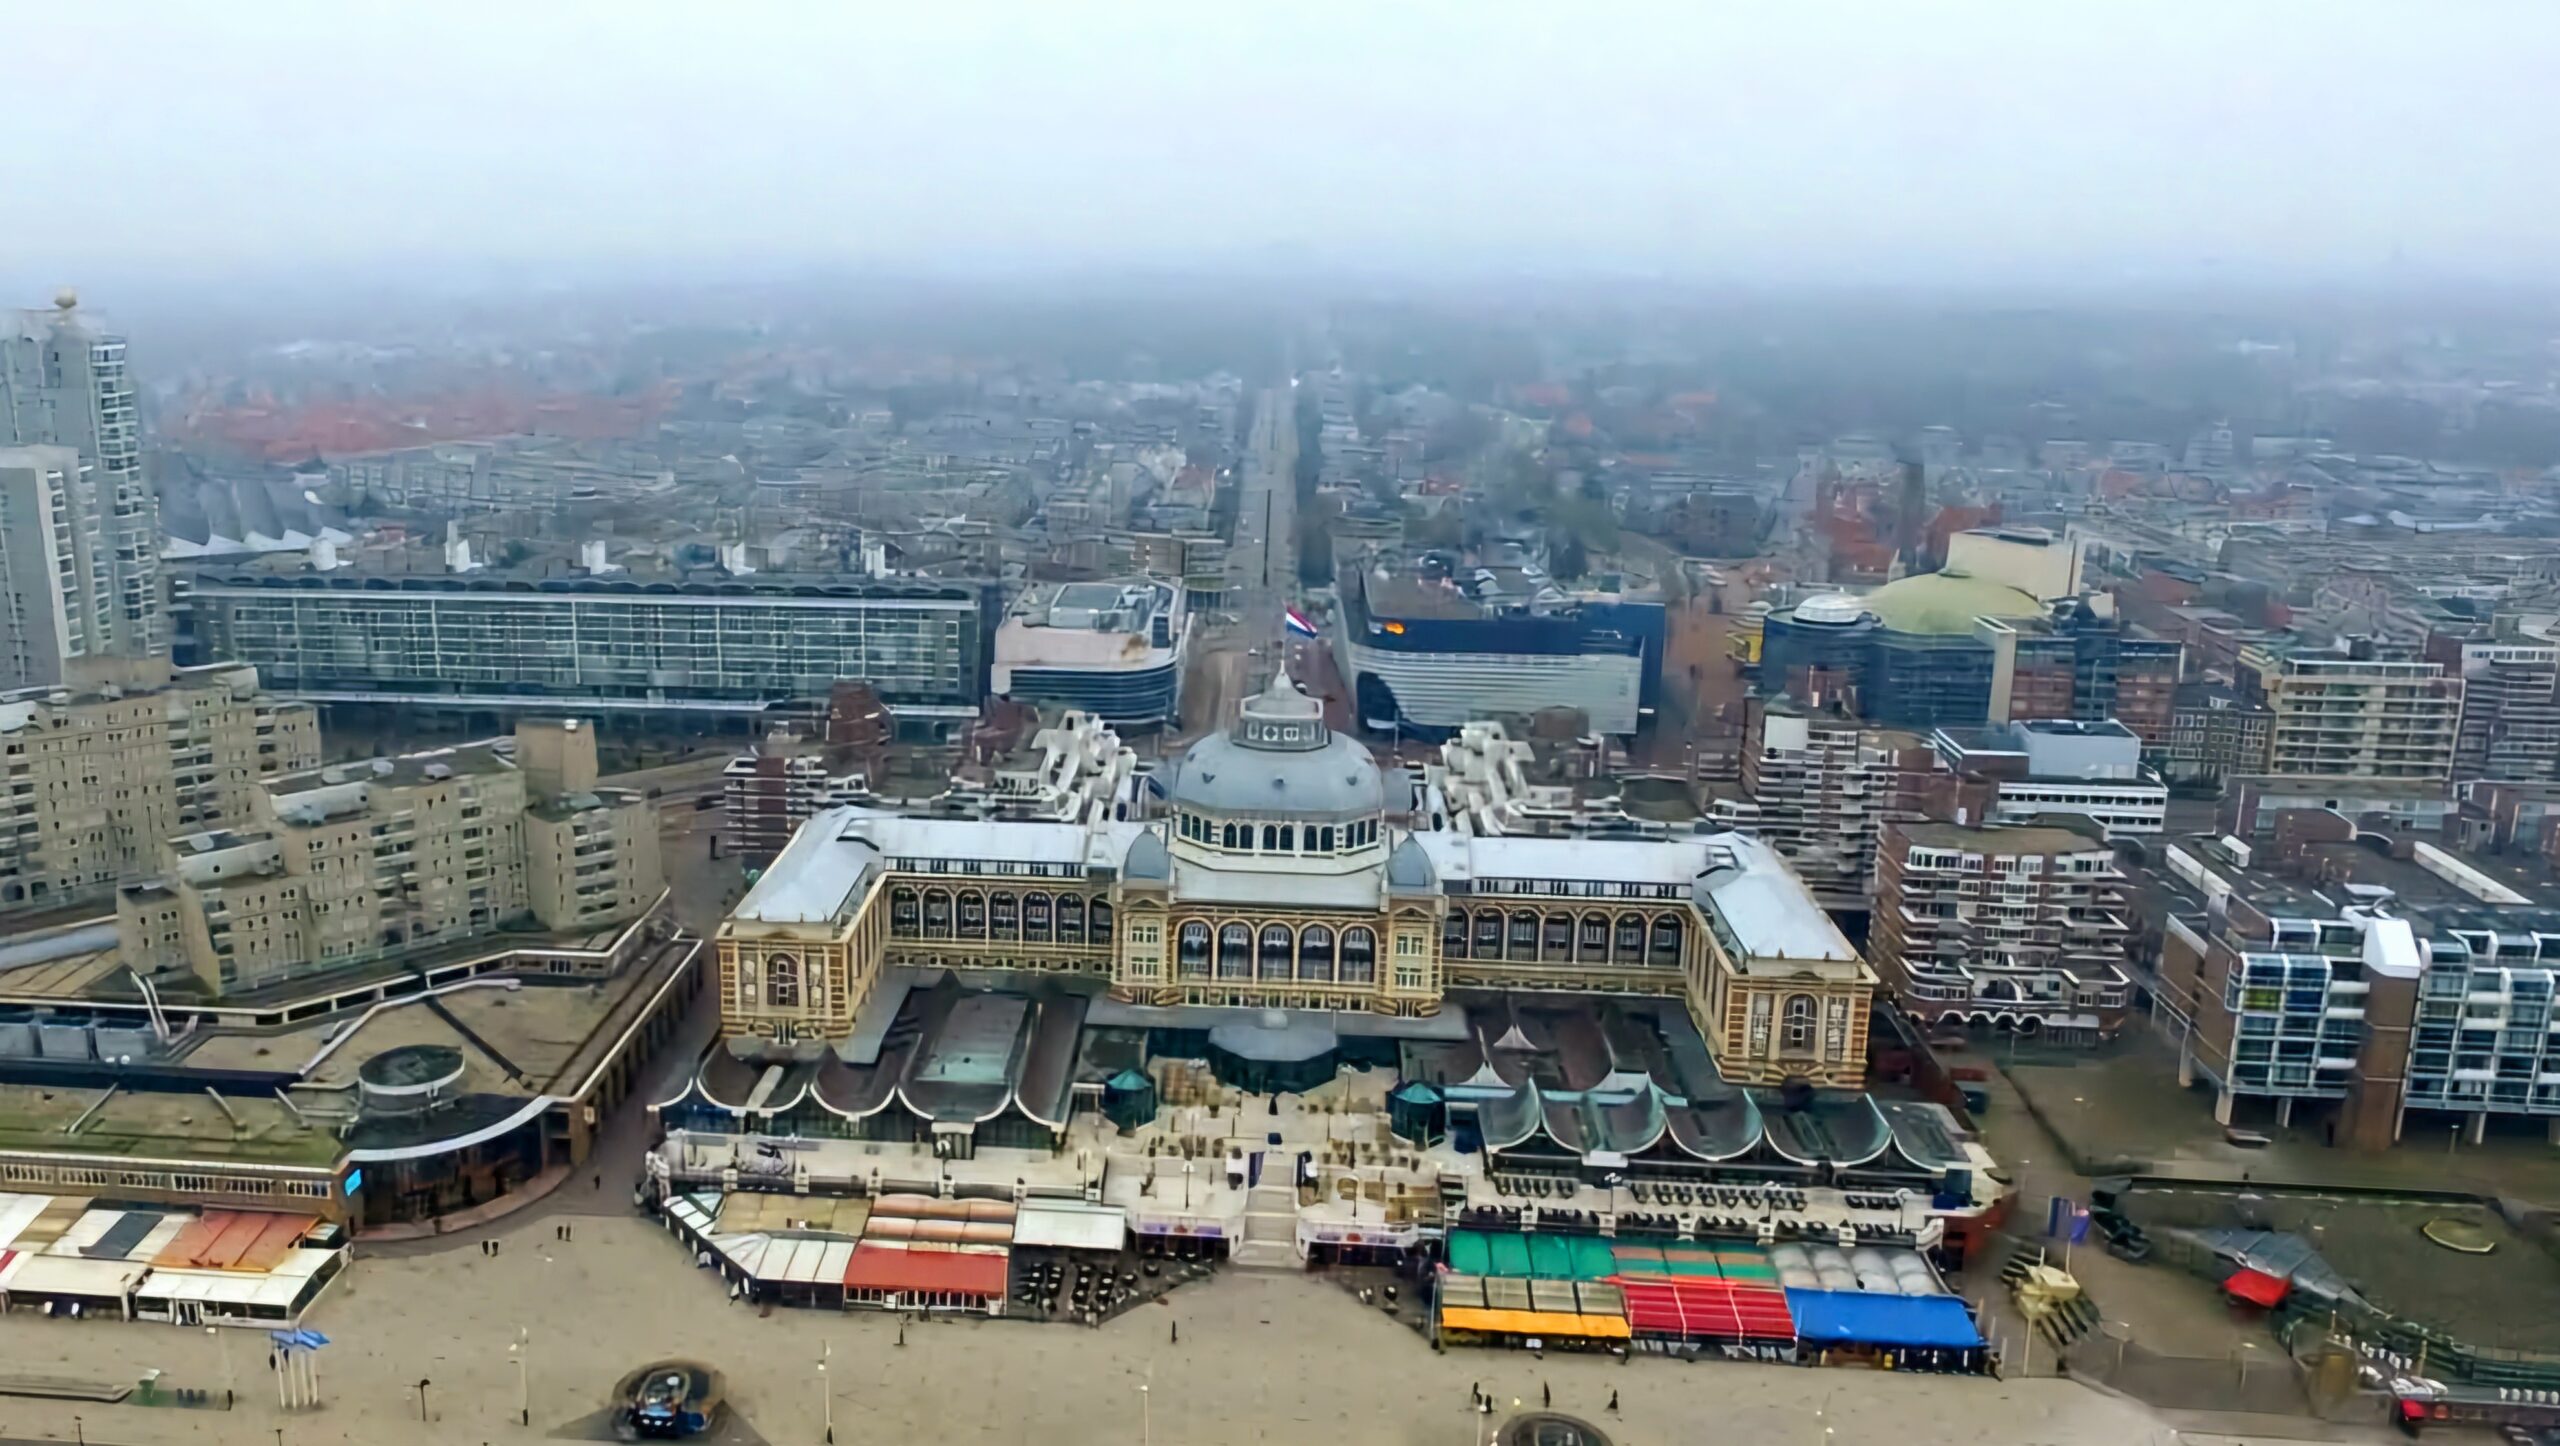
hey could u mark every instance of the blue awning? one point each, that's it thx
(1866, 1318)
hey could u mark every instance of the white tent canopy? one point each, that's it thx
(1071, 1226)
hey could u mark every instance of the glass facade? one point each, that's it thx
(2483, 1035)
(730, 646)
(2291, 1033)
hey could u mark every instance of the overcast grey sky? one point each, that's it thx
(1894, 139)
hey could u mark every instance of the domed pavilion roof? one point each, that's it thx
(1944, 603)
(1279, 759)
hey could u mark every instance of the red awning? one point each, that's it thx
(2258, 1288)
(886, 1267)
(1706, 1307)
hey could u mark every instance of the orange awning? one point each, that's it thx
(1533, 1323)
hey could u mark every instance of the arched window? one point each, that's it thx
(1005, 910)
(973, 914)
(1288, 838)
(1277, 944)
(782, 981)
(902, 912)
(1453, 935)
(1524, 935)
(1271, 838)
(1594, 945)
(1488, 933)
(1235, 952)
(1555, 938)
(1796, 1018)
(1101, 922)
(1227, 837)
(1666, 939)
(1193, 951)
(1324, 843)
(1630, 940)
(1070, 918)
(1360, 955)
(1315, 953)
(937, 913)
(1035, 918)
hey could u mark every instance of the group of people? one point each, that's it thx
(1546, 1398)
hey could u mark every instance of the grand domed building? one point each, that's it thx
(1269, 880)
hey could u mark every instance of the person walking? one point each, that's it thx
(1613, 1400)
(1547, 1396)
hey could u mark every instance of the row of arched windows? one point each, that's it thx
(1033, 918)
(1278, 838)
(1535, 936)
(1276, 952)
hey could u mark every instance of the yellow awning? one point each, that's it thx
(1534, 1323)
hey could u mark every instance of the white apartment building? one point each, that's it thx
(63, 384)
(2354, 714)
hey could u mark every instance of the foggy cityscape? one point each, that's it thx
(1271, 724)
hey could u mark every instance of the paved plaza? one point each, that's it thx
(1261, 1358)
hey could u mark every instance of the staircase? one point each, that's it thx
(1270, 1219)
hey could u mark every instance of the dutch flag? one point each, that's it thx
(1298, 623)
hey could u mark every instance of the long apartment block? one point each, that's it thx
(2373, 983)
(93, 778)
(360, 862)
(483, 641)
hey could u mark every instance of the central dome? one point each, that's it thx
(1279, 759)
(1946, 602)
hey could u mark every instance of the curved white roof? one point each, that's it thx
(1830, 608)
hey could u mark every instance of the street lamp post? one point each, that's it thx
(423, 1383)
(521, 1353)
(826, 1398)
(230, 1381)
(1146, 1418)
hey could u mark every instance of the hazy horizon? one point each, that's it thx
(1843, 143)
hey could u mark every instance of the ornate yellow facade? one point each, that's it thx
(1273, 880)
